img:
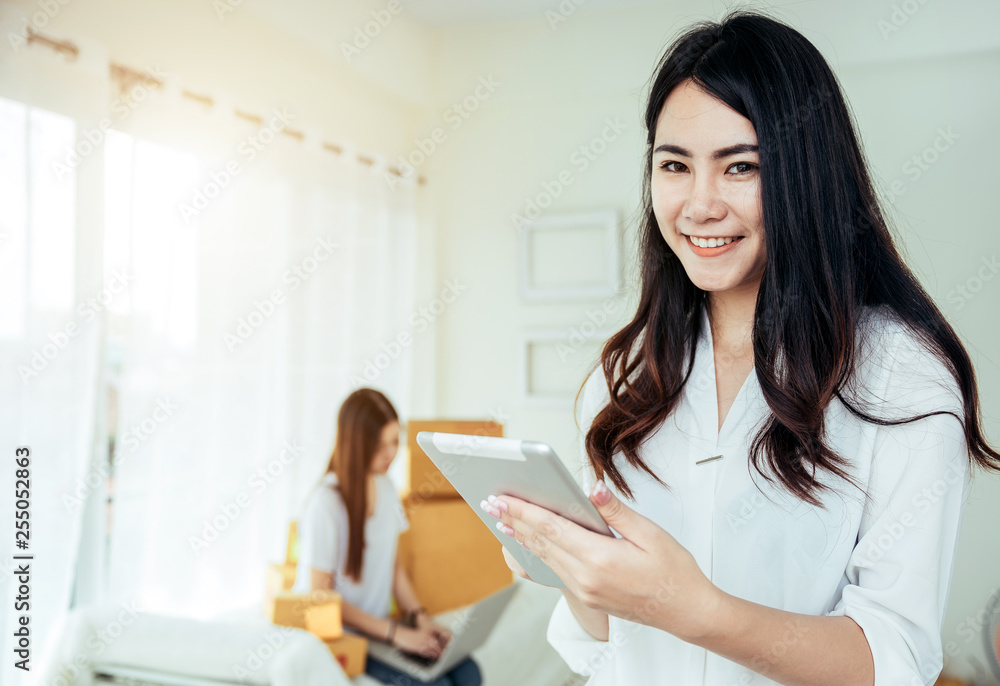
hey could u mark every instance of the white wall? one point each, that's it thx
(946, 219)
(939, 69)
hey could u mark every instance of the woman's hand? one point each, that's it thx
(442, 633)
(421, 640)
(645, 576)
(515, 566)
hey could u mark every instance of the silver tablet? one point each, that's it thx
(479, 466)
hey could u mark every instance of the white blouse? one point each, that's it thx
(323, 537)
(885, 560)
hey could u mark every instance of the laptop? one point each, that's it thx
(470, 627)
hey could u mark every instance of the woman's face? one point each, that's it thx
(705, 183)
(387, 448)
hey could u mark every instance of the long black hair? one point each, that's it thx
(829, 255)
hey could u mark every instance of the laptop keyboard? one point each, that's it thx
(421, 659)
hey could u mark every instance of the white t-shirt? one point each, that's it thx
(886, 560)
(323, 536)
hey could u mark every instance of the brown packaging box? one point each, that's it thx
(325, 621)
(292, 546)
(450, 556)
(424, 480)
(351, 652)
(289, 609)
(280, 577)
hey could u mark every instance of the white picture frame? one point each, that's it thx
(575, 341)
(543, 243)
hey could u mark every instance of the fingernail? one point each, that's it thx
(500, 505)
(491, 498)
(505, 529)
(600, 493)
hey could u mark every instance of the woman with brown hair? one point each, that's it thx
(348, 536)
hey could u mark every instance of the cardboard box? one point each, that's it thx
(350, 652)
(423, 479)
(450, 555)
(289, 609)
(280, 577)
(325, 621)
(292, 546)
(283, 575)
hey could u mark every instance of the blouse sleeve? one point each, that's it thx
(402, 521)
(581, 651)
(317, 532)
(899, 575)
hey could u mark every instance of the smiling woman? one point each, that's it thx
(706, 191)
(778, 334)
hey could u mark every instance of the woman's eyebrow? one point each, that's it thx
(717, 155)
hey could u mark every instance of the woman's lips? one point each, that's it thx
(712, 252)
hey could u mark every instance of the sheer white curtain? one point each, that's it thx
(50, 336)
(225, 338)
(256, 303)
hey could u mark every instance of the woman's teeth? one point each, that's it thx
(711, 242)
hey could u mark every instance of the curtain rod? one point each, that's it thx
(125, 77)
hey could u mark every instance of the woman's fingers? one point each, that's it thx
(432, 644)
(440, 632)
(444, 638)
(560, 543)
(514, 565)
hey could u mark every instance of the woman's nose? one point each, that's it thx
(703, 202)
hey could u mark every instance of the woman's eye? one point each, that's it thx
(748, 167)
(665, 166)
(742, 168)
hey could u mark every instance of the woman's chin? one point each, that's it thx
(712, 285)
